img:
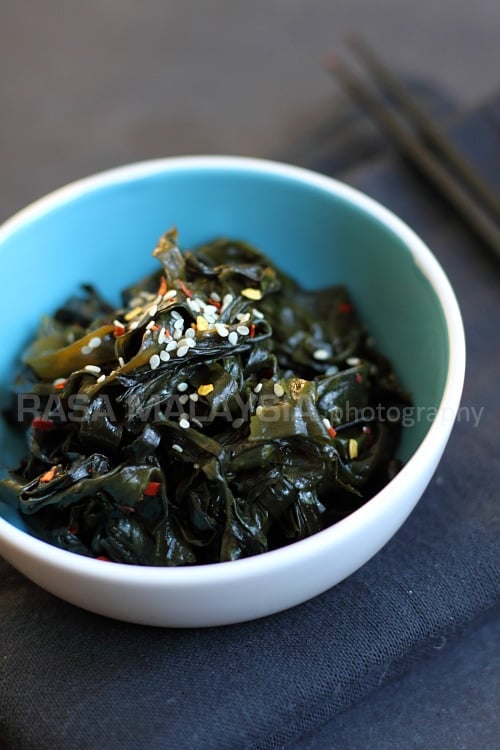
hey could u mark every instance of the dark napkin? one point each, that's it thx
(70, 679)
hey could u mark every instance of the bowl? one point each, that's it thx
(317, 229)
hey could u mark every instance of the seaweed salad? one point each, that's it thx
(220, 412)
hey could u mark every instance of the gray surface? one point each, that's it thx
(86, 86)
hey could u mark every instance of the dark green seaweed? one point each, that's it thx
(224, 443)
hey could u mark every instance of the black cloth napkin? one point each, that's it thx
(71, 679)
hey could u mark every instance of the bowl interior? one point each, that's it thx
(103, 231)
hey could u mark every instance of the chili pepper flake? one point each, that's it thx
(185, 289)
(344, 307)
(163, 288)
(103, 558)
(252, 330)
(358, 378)
(152, 489)
(44, 425)
(49, 475)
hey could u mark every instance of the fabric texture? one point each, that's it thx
(71, 679)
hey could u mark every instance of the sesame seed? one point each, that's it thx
(197, 423)
(182, 387)
(164, 355)
(320, 354)
(353, 448)
(258, 388)
(238, 423)
(249, 293)
(184, 423)
(278, 390)
(175, 314)
(154, 361)
(177, 448)
(193, 396)
(150, 325)
(226, 301)
(190, 334)
(204, 390)
(190, 342)
(162, 336)
(196, 466)
(134, 325)
(215, 296)
(327, 423)
(101, 378)
(182, 351)
(194, 305)
(117, 323)
(59, 381)
(201, 323)
(258, 313)
(179, 323)
(121, 361)
(233, 338)
(243, 317)
(221, 329)
(153, 310)
(170, 294)
(243, 330)
(171, 346)
(332, 370)
(94, 369)
(353, 361)
(177, 334)
(259, 410)
(183, 399)
(210, 310)
(95, 342)
(86, 349)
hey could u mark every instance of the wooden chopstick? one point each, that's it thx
(429, 131)
(430, 163)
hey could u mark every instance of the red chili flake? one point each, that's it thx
(215, 303)
(155, 328)
(119, 331)
(44, 425)
(358, 378)
(344, 307)
(163, 288)
(332, 432)
(252, 330)
(103, 557)
(185, 289)
(126, 508)
(152, 489)
(73, 529)
(60, 386)
(49, 475)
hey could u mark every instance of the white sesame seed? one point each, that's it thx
(353, 361)
(101, 378)
(221, 329)
(179, 323)
(226, 301)
(258, 313)
(94, 369)
(121, 361)
(95, 342)
(86, 349)
(197, 423)
(194, 305)
(243, 330)
(184, 423)
(134, 325)
(233, 338)
(327, 423)
(118, 323)
(258, 388)
(59, 381)
(278, 390)
(171, 346)
(164, 355)
(215, 296)
(193, 396)
(154, 361)
(170, 294)
(190, 334)
(259, 410)
(332, 370)
(177, 334)
(196, 466)
(211, 310)
(177, 448)
(238, 423)
(150, 325)
(153, 310)
(190, 342)
(182, 351)
(320, 354)
(162, 336)
(243, 317)
(183, 399)
(175, 314)
(182, 387)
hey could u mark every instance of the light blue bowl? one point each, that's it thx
(102, 230)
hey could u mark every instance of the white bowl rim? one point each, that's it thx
(432, 444)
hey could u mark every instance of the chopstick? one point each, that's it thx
(423, 144)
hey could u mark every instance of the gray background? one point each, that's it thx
(89, 85)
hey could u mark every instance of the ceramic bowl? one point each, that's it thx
(317, 229)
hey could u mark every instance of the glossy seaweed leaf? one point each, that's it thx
(222, 411)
